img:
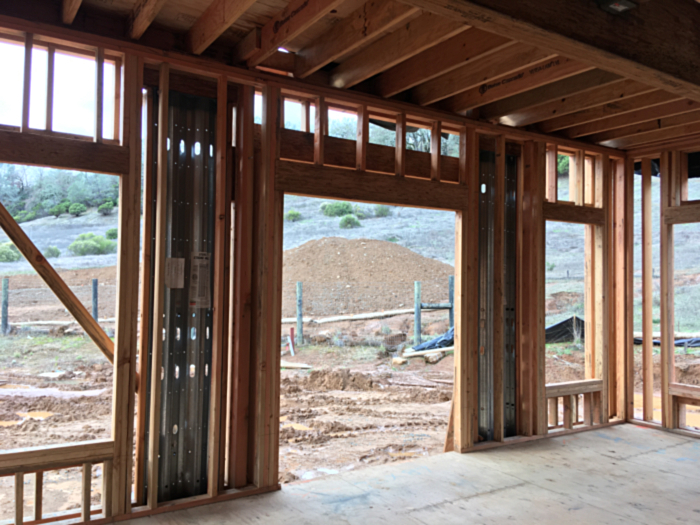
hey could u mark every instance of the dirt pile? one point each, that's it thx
(348, 276)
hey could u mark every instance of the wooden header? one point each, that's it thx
(573, 388)
(556, 211)
(55, 456)
(686, 213)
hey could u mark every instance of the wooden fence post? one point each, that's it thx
(416, 314)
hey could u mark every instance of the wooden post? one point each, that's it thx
(38, 495)
(538, 285)
(240, 445)
(19, 498)
(628, 175)
(99, 93)
(5, 324)
(95, 309)
(647, 295)
(589, 298)
(49, 87)
(667, 314)
(568, 412)
(588, 409)
(300, 315)
(86, 492)
(400, 163)
(602, 289)
(306, 116)
(552, 172)
(467, 297)
(320, 130)
(362, 138)
(158, 285)
(27, 88)
(553, 410)
(499, 289)
(127, 295)
(118, 96)
(107, 488)
(620, 274)
(417, 313)
(435, 151)
(451, 298)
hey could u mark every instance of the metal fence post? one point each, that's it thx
(416, 315)
(300, 315)
(5, 326)
(451, 288)
(94, 300)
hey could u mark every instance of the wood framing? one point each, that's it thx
(218, 17)
(143, 14)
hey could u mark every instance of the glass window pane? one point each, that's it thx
(12, 66)
(74, 94)
(108, 102)
(37, 95)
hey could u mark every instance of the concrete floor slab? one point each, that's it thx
(621, 474)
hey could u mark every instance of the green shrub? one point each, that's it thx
(60, 209)
(76, 209)
(349, 221)
(25, 216)
(52, 252)
(91, 244)
(381, 210)
(336, 209)
(112, 233)
(292, 216)
(359, 212)
(9, 253)
(106, 208)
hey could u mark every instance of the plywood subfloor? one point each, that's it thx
(621, 474)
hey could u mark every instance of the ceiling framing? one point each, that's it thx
(501, 61)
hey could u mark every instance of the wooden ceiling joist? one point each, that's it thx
(614, 108)
(578, 102)
(465, 48)
(69, 9)
(289, 23)
(218, 17)
(665, 128)
(420, 34)
(634, 117)
(143, 14)
(560, 91)
(523, 80)
(365, 25)
(483, 71)
(628, 45)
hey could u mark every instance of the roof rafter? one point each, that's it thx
(560, 90)
(634, 117)
(418, 35)
(218, 17)
(365, 25)
(627, 45)
(142, 16)
(69, 9)
(633, 131)
(605, 94)
(670, 132)
(289, 23)
(523, 80)
(466, 47)
(481, 71)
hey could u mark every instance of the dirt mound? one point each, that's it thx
(325, 380)
(343, 276)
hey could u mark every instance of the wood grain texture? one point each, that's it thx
(69, 8)
(403, 43)
(623, 45)
(571, 388)
(51, 457)
(647, 295)
(574, 214)
(219, 16)
(141, 17)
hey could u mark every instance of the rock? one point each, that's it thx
(398, 361)
(53, 375)
(320, 338)
(434, 358)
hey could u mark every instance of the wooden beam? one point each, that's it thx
(219, 16)
(50, 457)
(338, 183)
(552, 173)
(603, 286)
(465, 399)
(161, 205)
(623, 45)
(86, 492)
(687, 213)
(610, 93)
(407, 41)
(289, 23)
(436, 151)
(362, 138)
(400, 145)
(634, 130)
(38, 495)
(19, 498)
(509, 85)
(467, 47)
(127, 293)
(670, 131)
(69, 9)
(560, 91)
(57, 285)
(477, 73)
(683, 390)
(43, 150)
(667, 292)
(536, 188)
(572, 388)
(628, 105)
(634, 117)
(627, 177)
(363, 26)
(564, 212)
(142, 16)
(647, 296)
